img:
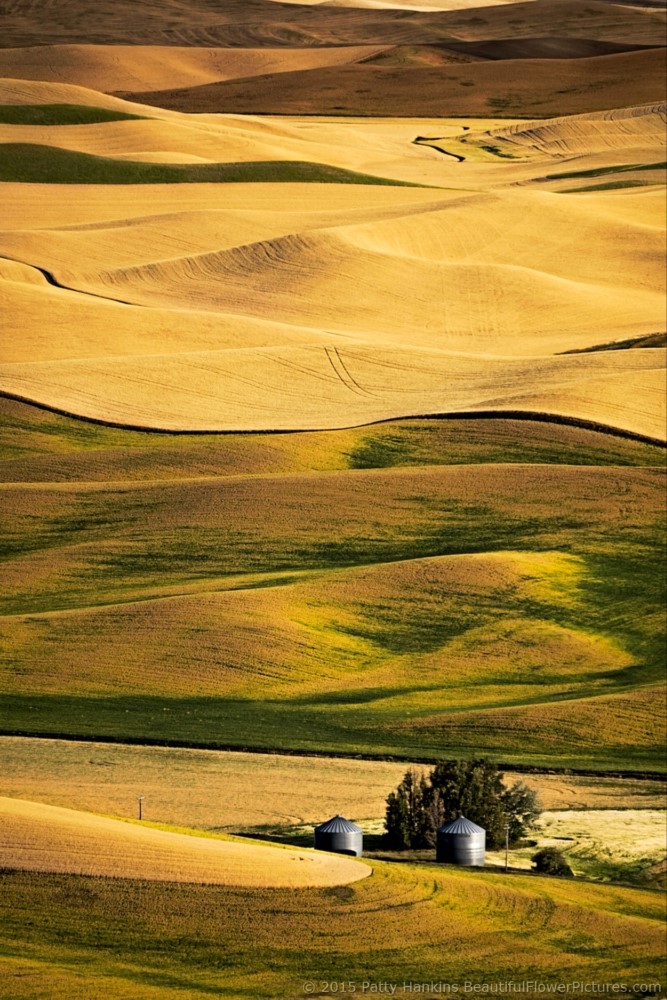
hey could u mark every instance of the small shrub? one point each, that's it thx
(551, 861)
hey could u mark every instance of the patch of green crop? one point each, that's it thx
(113, 543)
(27, 429)
(607, 186)
(625, 597)
(649, 340)
(36, 164)
(383, 722)
(617, 596)
(461, 528)
(593, 866)
(61, 114)
(125, 559)
(27, 432)
(620, 168)
(456, 442)
(510, 101)
(497, 151)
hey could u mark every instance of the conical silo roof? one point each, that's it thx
(338, 824)
(461, 826)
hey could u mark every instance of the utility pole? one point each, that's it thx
(507, 845)
(141, 802)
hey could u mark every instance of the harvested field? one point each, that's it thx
(110, 68)
(189, 787)
(261, 23)
(319, 283)
(30, 208)
(504, 87)
(143, 69)
(330, 388)
(41, 838)
(623, 129)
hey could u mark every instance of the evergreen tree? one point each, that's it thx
(397, 836)
(407, 812)
(472, 788)
(521, 809)
(435, 815)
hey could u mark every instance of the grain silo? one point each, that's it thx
(461, 842)
(339, 835)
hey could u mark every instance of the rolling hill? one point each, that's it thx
(404, 924)
(505, 87)
(332, 436)
(264, 23)
(229, 615)
(42, 838)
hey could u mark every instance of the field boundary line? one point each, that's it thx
(528, 415)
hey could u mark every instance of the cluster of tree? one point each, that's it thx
(471, 788)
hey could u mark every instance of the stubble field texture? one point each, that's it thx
(332, 423)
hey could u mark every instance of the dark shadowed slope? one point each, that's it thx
(504, 87)
(252, 23)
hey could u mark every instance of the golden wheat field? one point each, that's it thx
(38, 837)
(212, 270)
(335, 304)
(635, 835)
(208, 790)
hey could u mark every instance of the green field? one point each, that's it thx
(650, 340)
(37, 445)
(61, 114)
(94, 938)
(621, 168)
(606, 186)
(31, 163)
(392, 590)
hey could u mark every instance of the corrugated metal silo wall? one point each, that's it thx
(461, 848)
(340, 843)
